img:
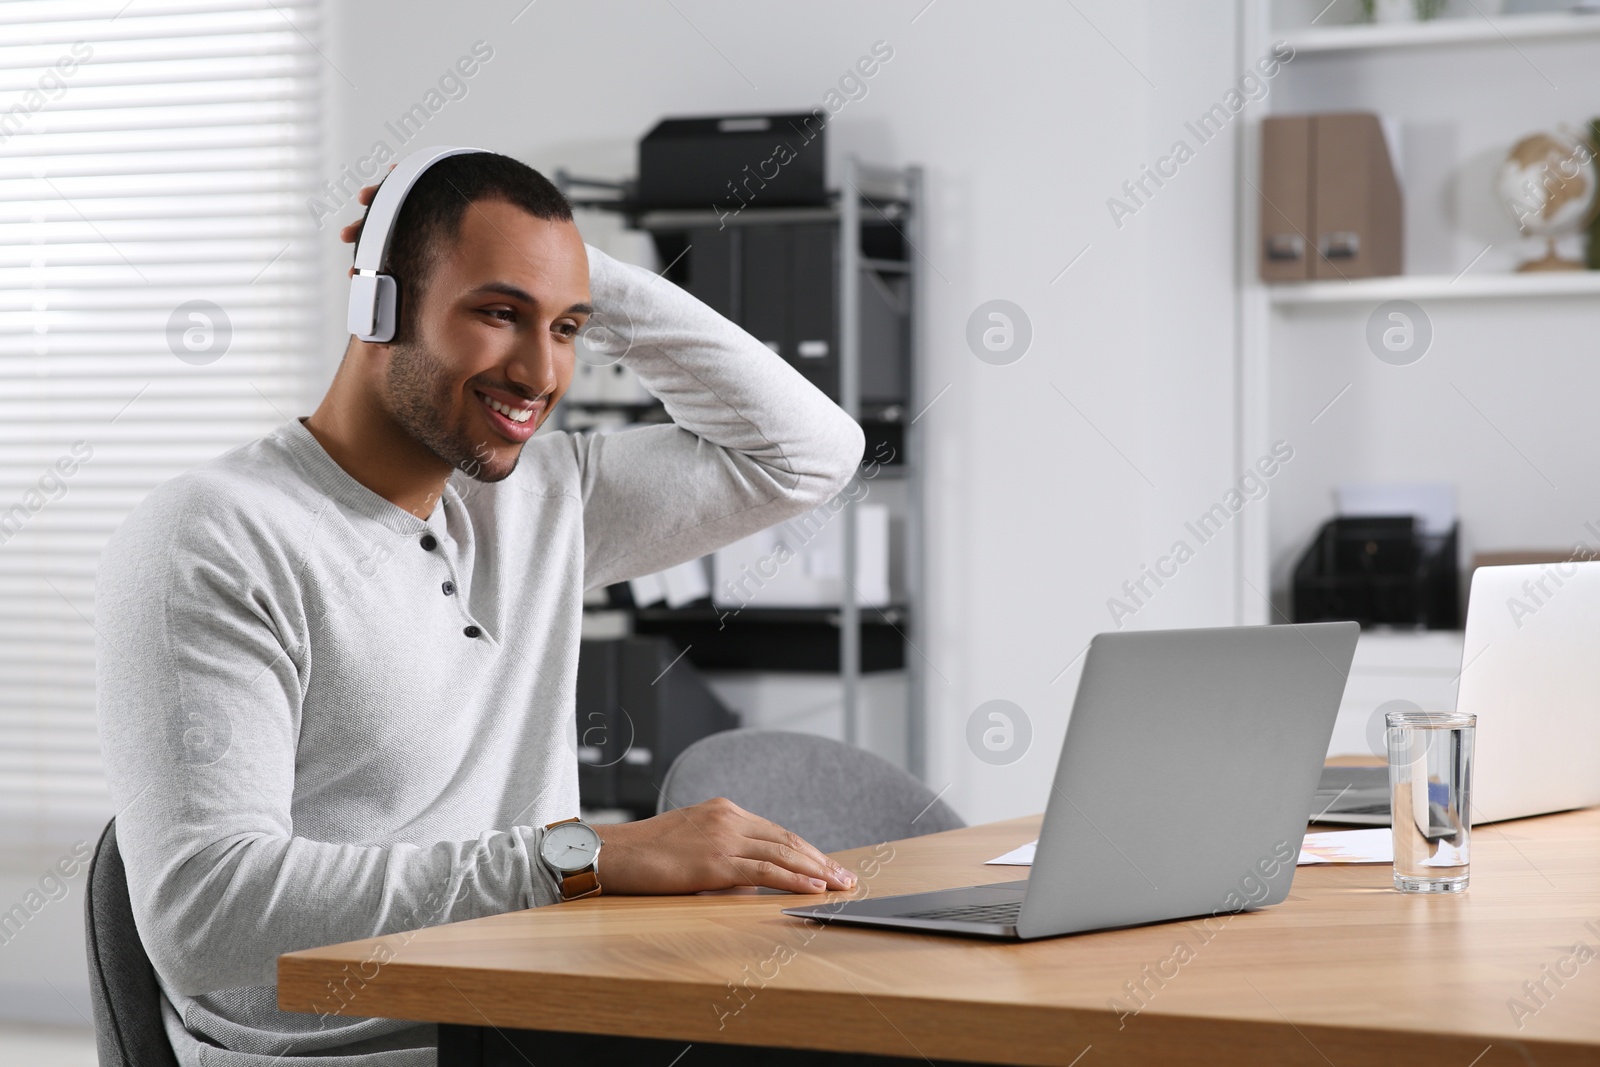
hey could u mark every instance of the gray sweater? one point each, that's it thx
(318, 729)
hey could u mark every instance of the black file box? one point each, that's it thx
(731, 162)
(1379, 570)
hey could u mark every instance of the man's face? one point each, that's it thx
(493, 347)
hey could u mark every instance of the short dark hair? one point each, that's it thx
(430, 218)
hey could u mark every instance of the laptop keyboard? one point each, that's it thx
(1360, 809)
(1003, 914)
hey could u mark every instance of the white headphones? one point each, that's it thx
(374, 297)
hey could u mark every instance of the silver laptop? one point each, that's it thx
(1188, 765)
(1353, 796)
(1527, 672)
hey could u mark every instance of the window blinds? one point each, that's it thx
(157, 307)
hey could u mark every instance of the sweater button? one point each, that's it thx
(429, 542)
(449, 588)
(472, 631)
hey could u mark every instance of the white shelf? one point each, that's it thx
(1437, 287)
(1442, 31)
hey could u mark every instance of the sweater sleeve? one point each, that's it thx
(201, 668)
(751, 444)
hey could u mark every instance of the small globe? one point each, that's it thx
(1550, 185)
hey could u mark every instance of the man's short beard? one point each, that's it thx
(419, 397)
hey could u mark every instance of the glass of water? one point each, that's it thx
(1430, 796)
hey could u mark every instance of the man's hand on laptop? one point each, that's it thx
(714, 845)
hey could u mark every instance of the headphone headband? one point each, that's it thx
(374, 297)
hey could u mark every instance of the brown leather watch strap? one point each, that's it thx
(585, 883)
(578, 884)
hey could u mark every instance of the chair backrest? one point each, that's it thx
(834, 795)
(122, 985)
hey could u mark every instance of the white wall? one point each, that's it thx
(1028, 117)
(44, 975)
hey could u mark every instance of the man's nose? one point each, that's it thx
(533, 364)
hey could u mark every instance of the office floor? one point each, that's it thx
(47, 1046)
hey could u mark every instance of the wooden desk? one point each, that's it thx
(1346, 971)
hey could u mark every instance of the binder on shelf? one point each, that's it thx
(1286, 198)
(1330, 198)
(779, 281)
(1355, 198)
(633, 716)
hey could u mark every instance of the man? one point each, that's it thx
(337, 665)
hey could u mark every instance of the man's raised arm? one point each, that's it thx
(752, 442)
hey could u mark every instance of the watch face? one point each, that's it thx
(571, 846)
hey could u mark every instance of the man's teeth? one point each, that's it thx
(514, 414)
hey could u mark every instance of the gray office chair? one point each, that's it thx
(122, 984)
(832, 794)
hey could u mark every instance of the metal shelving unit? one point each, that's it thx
(868, 195)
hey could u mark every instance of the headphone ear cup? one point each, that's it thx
(387, 308)
(374, 299)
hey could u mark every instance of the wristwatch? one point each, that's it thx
(571, 850)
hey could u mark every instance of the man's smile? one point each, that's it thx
(514, 418)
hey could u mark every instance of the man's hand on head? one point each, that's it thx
(714, 845)
(350, 233)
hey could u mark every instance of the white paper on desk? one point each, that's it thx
(1348, 846)
(1334, 846)
(1021, 856)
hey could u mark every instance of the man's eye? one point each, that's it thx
(568, 330)
(507, 313)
